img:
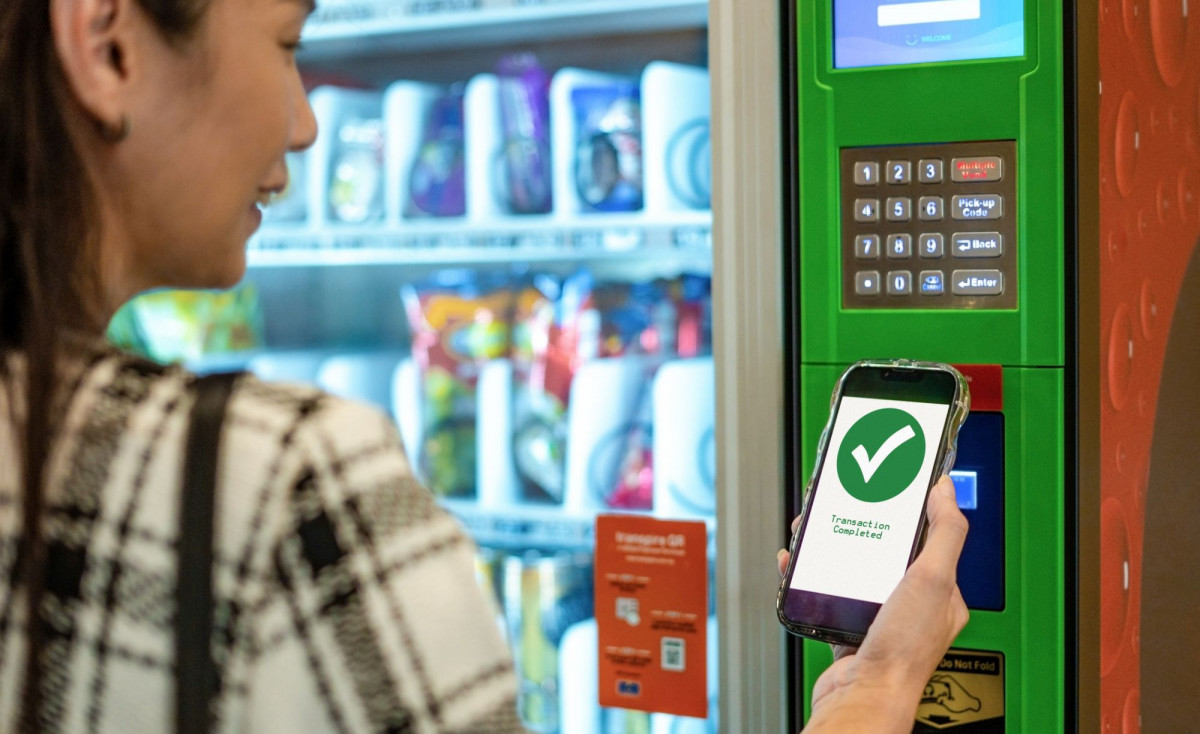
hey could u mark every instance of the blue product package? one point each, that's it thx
(437, 181)
(608, 152)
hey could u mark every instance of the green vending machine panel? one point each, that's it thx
(930, 178)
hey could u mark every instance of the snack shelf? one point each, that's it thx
(339, 28)
(682, 236)
(545, 527)
(540, 527)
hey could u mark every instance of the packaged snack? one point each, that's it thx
(583, 320)
(525, 131)
(608, 158)
(692, 295)
(543, 596)
(356, 176)
(178, 326)
(437, 183)
(459, 320)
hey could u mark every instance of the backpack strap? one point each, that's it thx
(196, 676)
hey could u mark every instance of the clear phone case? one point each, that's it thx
(948, 447)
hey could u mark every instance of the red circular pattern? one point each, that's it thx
(1149, 224)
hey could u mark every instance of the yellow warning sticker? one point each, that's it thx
(966, 694)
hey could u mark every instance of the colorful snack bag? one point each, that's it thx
(177, 325)
(541, 386)
(579, 321)
(692, 295)
(459, 321)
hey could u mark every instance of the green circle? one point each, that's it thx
(881, 455)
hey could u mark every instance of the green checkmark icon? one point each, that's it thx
(881, 454)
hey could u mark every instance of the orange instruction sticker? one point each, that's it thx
(652, 614)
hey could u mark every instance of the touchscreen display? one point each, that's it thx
(888, 33)
(869, 498)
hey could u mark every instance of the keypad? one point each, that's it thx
(930, 226)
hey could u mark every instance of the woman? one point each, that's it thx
(138, 141)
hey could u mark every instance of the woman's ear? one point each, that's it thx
(94, 41)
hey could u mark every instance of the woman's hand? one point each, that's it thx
(877, 687)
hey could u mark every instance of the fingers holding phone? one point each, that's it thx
(878, 686)
(926, 612)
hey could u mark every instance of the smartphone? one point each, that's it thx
(892, 432)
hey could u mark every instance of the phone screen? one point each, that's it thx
(869, 496)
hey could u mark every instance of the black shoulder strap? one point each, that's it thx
(196, 677)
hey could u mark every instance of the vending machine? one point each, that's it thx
(1011, 187)
(501, 239)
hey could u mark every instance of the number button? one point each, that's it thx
(867, 283)
(930, 170)
(866, 173)
(866, 210)
(866, 247)
(931, 208)
(899, 209)
(899, 246)
(899, 172)
(933, 245)
(899, 283)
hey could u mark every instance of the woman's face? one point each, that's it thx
(210, 124)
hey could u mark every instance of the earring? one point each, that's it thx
(114, 133)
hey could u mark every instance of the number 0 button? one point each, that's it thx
(899, 283)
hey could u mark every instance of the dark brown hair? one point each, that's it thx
(47, 284)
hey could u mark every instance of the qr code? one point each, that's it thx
(673, 654)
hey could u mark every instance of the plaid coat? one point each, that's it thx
(345, 597)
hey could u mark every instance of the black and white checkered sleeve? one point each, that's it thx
(376, 622)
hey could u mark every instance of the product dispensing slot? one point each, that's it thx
(979, 483)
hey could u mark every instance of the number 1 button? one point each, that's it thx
(866, 173)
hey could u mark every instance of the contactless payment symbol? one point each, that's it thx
(881, 455)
